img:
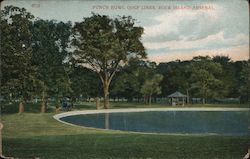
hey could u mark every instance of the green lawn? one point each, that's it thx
(31, 135)
(35, 107)
(116, 105)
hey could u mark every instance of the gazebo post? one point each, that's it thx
(183, 101)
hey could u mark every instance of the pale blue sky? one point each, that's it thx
(170, 33)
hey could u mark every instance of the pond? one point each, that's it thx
(171, 122)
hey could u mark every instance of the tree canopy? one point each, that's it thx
(106, 44)
(50, 42)
(19, 76)
(131, 77)
(151, 86)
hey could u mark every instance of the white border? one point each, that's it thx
(58, 116)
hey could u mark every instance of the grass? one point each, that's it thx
(117, 105)
(35, 107)
(32, 134)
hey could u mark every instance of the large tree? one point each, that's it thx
(19, 77)
(130, 79)
(176, 74)
(105, 44)
(83, 82)
(50, 41)
(227, 76)
(204, 78)
(245, 82)
(151, 87)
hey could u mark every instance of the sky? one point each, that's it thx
(173, 29)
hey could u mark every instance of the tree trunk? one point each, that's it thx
(106, 94)
(150, 100)
(204, 94)
(145, 99)
(58, 105)
(187, 96)
(43, 106)
(203, 101)
(97, 103)
(21, 107)
(10, 98)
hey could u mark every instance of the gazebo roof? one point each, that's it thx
(177, 95)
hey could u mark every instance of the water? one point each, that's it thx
(181, 122)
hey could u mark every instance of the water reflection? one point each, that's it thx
(106, 119)
(199, 122)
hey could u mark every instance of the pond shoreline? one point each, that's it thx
(58, 116)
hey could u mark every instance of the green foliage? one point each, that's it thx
(34, 54)
(19, 77)
(204, 77)
(126, 85)
(130, 79)
(83, 82)
(227, 76)
(245, 82)
(176, 76)
(223, 76)
(50, 42)
(36, 61)
(106, 44)
(223, 60)
(151, 86)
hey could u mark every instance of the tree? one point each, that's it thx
(151, 86)
(106, 44)
(50, 41)
(245, 82)
(131, 77)
(19, 77)
(175, 76)
(126, 85)
(227, 76)
(204, 77)
(83, 82)
(223, 60)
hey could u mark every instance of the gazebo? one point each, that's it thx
(177, 98)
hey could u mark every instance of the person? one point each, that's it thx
(64, 105)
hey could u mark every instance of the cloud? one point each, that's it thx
(181, 33)
(212, 41)
(236, 53)
(184, 34)
(184, 25)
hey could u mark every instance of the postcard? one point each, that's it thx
(124, 79)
